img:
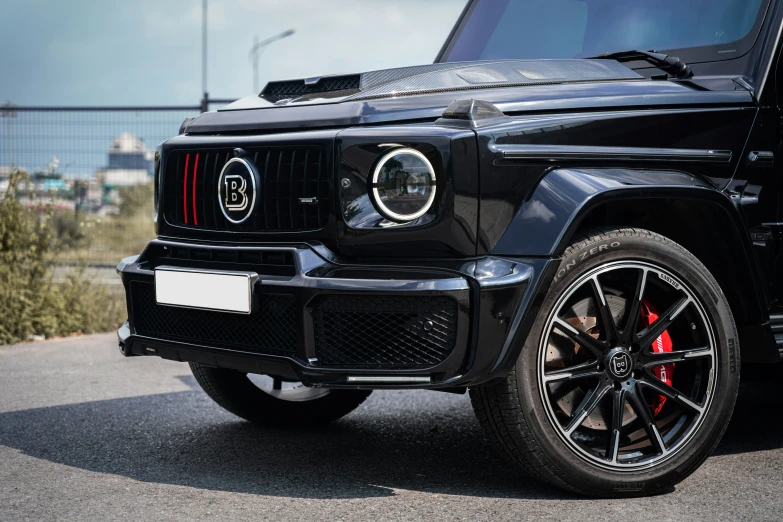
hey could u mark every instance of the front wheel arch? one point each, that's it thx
(712, 232)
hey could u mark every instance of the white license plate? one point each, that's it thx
(204, 289)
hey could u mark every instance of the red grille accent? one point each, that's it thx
(185, 190)
(195, 171)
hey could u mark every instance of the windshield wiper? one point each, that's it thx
(670, 64)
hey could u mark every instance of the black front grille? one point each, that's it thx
(271, 330)
(294, 194)
(389, 332)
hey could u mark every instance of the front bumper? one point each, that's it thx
(325, 322)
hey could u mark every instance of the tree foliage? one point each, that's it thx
(31, 302)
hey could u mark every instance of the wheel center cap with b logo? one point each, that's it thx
(619, 364)
(238, 189)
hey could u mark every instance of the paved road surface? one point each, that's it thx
(86, 434)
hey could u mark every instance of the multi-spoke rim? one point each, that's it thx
(615, 396)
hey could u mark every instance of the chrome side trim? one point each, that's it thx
(410, 379)
(555, 153)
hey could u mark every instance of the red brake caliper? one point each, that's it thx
(662, 344)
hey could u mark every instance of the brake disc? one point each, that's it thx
(562, 352)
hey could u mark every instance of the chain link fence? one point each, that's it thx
(94, 166)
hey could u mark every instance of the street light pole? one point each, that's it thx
(258, 48)
(205, 100)
(204, 47)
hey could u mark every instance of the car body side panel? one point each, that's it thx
(548, 218)
(628, 139)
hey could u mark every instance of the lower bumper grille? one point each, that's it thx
(389, 332)
(272, 330)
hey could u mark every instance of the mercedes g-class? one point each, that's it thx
(573, 214)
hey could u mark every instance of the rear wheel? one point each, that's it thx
(628, 379)
(271, 402)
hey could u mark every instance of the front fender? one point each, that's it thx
(548, 218)
(567, 199)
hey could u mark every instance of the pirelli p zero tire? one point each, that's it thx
(278, 405)
(628, 378)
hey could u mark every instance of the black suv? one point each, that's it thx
(580, 231)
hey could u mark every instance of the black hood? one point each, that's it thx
(423, 93)
(441, 77)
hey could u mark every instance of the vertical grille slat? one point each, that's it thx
(318, 186)
(291, 190)
(201, 192)
(288, 175)
(259, 204)
(185, 188)
(193, 190)
(173, 188)
(264, 193)
(322, 209)
(304, 189)
(277, 190)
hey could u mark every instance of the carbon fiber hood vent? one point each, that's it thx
(442, 77)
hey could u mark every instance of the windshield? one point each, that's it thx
(532, 29)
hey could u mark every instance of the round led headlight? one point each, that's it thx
(403, 185)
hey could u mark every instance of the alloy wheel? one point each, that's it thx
(625, 387)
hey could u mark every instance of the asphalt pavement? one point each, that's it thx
(86, 434)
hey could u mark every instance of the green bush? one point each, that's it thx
(136, 200)
(87, 237)
(31, 303)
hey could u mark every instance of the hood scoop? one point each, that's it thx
(441, 77)
(292, 89)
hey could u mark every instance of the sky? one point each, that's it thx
(148, 52)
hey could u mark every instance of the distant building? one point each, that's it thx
(128, 152)
(113, 178)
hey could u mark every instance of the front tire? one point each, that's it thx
(628, 379)
(276, 405)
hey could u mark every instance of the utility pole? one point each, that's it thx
(258, 48)
(205, 99)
